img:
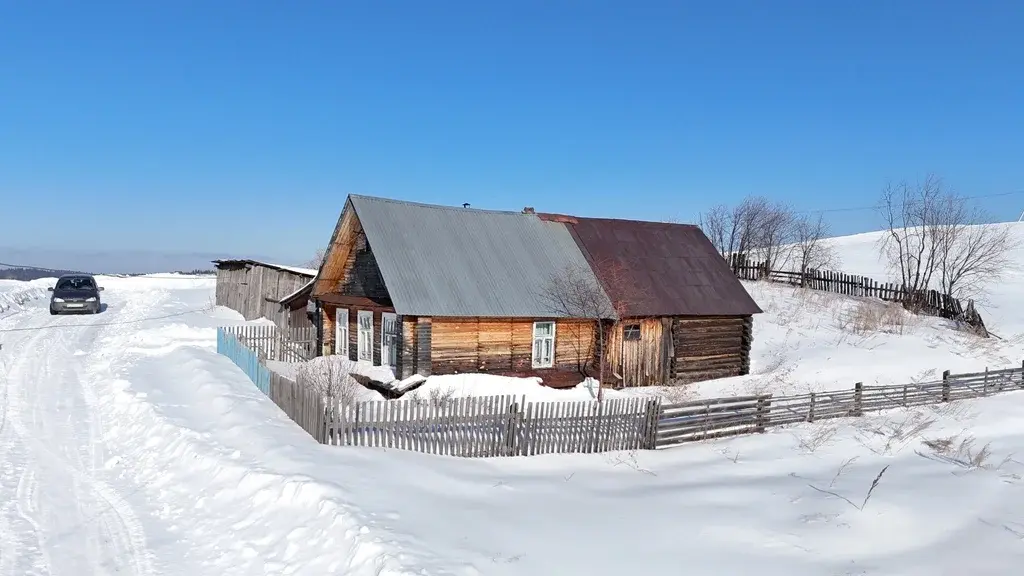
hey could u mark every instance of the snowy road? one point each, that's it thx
(59, 511)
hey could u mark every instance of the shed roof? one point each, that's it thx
(309, 272)
(444, 261)
(659, 269)
(303, 292)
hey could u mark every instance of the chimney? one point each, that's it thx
(528, 210)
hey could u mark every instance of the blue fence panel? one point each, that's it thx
(228, 345)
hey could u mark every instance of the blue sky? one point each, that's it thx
(239, 127)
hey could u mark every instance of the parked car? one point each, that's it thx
(75, 293)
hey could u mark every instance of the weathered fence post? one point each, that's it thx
(653, 417)
(945, 386)
(762, 413)
(1022, 373)
(810, 411)
(984, 385)
(858, 394)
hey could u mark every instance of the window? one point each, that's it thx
(543, 344)
(365, 342)
(389, 339)
(631, 332)
(341, 332)
(76, 283)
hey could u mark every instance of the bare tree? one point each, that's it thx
(331, 377)
(971, 251)
(574, 292)
(773, 235)
(317, 259)
(936, 238)
(756, 226)
(910, 213)
(810, 243)
(732, 228)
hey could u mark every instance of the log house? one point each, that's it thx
(427, 289)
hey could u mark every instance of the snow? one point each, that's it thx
(14, 294)
(127, 445)
(459, 385)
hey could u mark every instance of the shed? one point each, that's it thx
(256, 289)
(683, 314)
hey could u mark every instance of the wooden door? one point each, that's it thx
(642, 360)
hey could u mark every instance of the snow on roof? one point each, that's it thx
(293, 269)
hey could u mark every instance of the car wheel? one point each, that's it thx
(53, 312)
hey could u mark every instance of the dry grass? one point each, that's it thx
(816, 437)
(435, 397)
(890, 434)
(960, 450)
(874, 316)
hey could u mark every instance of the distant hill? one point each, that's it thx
(116, 261)
(29, 273)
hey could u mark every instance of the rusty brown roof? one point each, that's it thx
(659, 269)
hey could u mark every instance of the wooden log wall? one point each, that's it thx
(748, 341)
(643, 362)
(711, 347)
(505, 346)
(329, 310)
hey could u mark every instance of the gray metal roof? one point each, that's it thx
(444, 261)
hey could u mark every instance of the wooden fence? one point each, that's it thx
(512, 426)
(930, 302)
(301, 404)
(272, 343)
(715, 418)
(496, 426)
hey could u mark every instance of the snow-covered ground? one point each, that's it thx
(128, 446)
(14, 294)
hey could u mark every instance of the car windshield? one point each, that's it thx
(75, 284)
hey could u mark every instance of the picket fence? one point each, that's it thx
(298, 402)
(930, 302)
(272, 343)
(512, 426)
(496, 426)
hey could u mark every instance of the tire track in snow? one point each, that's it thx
(12, 545)
(111, 530)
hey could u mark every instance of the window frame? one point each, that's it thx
(626, 328)
(392, 347)
(536, 362)
(368, 357)
(341, 332)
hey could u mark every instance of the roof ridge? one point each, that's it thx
(607, 219)
(436, 206)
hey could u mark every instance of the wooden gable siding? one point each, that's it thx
(361, 276)
(504, 346)
(711, 347)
